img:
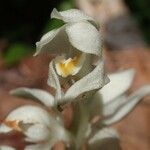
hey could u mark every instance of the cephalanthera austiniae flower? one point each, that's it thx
(74, 41)
(108, 105)
(76, 45)
(37, 125)
(79, 42)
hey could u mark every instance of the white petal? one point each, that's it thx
(87, 67)
(106, 138)
(119, 84)
(93, 81)
(104, 133)
(53, 80)
(26, 115)
(37, 132)
(111, 108)
(6, 148)
(85, 37)
(72, 15)
(110, 99)
(45, 146)
(59, 134)
(55, 41)
(126, 106)
(36, 94)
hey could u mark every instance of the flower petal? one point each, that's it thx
(35, 94)
(55, 134)
(111, 108)
(106, 138)
(53, 80)
(85, 37)
(36, 124)
(87, 67)
(93, 81)
(72, 15)
(119, 84)
(125, 106)
(29, 115)
(45, 146)
(6, 148)
(37, 132)
(55, 41)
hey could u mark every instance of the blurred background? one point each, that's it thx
(125, 27)
(24, 21)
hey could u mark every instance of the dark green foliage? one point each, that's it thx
(52, 24)
(16, 52)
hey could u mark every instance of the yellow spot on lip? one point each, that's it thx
(14, 124)
(70, 66)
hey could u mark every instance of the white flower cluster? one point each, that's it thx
(78, 66)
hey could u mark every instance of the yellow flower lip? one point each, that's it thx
(14, 124)
(70, 66)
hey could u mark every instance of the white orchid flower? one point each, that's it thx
(78, 27)
(76, 44)
(80, 89)
(82, 125)
(112, 102)
(73, 41)
(109, 105)
(35, 122)
(37, 125)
